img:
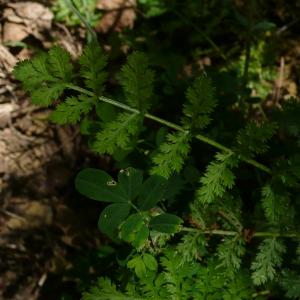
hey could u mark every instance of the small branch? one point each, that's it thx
(264, 234)
(199, 137)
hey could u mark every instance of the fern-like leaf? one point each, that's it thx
(93, 62)
(252, 140)
(59, 62)
(71, 110)
(268, 258)
(106, 290)
(116, 134)
(137, 81)
(291, 284)
(217, 178)
(201, 103)
(177, 276)
(230, 253)
(275, 204)
(46, 76)
(172, 154)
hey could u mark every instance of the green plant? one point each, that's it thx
(64, 11)
(204, 238)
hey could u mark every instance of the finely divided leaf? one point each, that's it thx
(252, 140)
(137, 81)
(172, 154)
(59, 63)
(230, 253)
(275, 204)
(93, 62)
(106, 290)
(71, 110)
(201, 103)
(217, 178)
(46, 75)
(116, 134)
(268, 258)
(291, 284)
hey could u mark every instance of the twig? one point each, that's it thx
(199, 137)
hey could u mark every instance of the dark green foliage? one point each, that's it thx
(166, 223)
(276, 205)
(291, 284)
(201, 103)
(172, 154)
(217, 178)
(268, 258)
(244, 213)
(71, 111)
(252, 140)
(137, 81)
(45, 76)
(93, 63)
(117, 134)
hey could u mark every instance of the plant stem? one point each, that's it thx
(73, 7)
(199, 137)
(264, 234)
(276, 234)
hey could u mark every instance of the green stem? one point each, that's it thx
(89, 28)
(199, 137)
(264, 234)
(277, 234)
(213, 232)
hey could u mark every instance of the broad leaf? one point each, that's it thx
(129, 182)
(134, 230)
(138, 264)
(152, 192)
(98, 185)
(111, 217)
(150, 262)
(166, 223)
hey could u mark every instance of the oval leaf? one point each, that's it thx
(111, 217)
(129, 182)
(130, 227)
(166, 223)
(152, 192)
(150, 262)
(98, 185)
(134, 231)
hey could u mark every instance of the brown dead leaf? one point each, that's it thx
(119, 14)
(7, 60)
(5, 113)
(25, 18)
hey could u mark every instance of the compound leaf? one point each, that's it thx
(172, 154)
(137, 81)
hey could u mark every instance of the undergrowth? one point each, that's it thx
(208, 212)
